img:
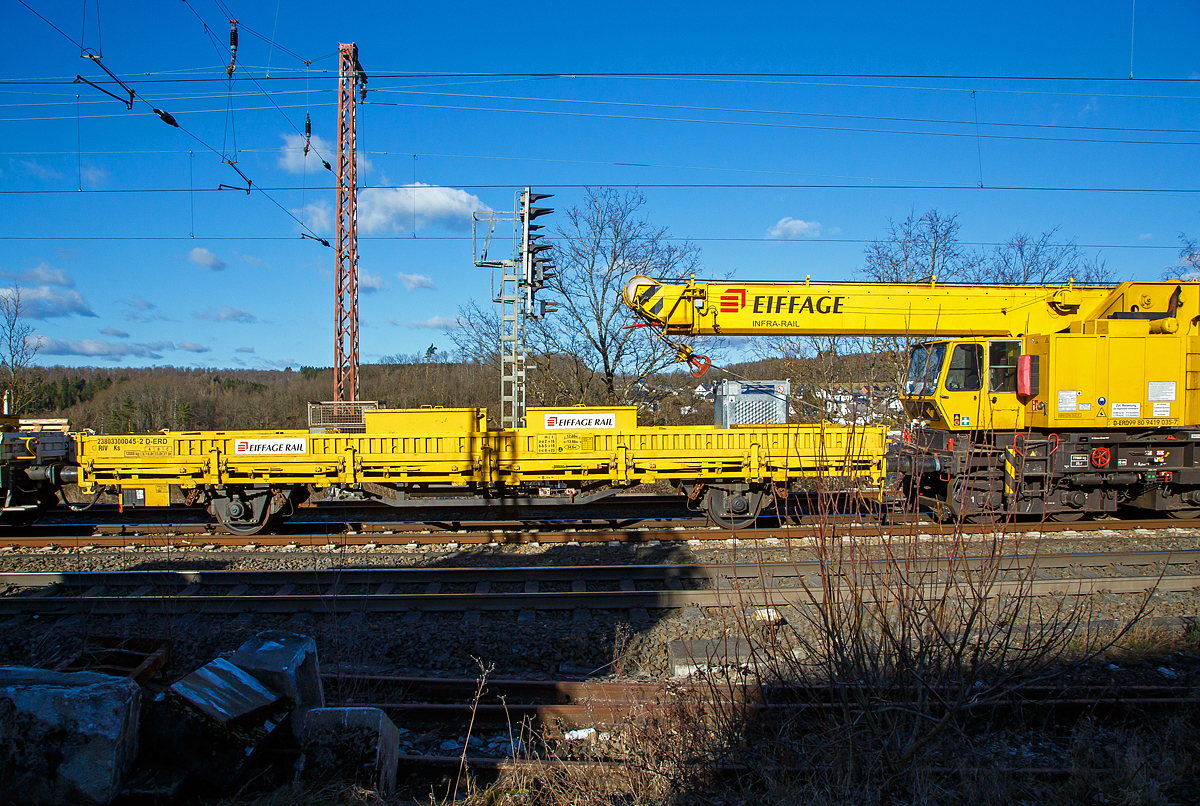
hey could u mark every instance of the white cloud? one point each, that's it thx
(92, 174)
(1146, 236)
(292, 159)
(206, 259)
(438, 323)
(392, 209)
(227, 314)
(255, 261)
(45, 302)
(192, 347)
(116, 334)
(41, 274)
(370, 283)
(318, 216)
(244, 350)
(140, 304)
(789, 227)
(414, 281)
(291, 154)
(35, 168)
(98, 348)
(142, 310)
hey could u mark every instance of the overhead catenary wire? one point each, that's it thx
(664, 185)
(467, 238)
(251, 76)
(169, 119)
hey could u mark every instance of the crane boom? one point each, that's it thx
(875, 309)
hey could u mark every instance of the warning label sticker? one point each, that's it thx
(1160, 390)
(1126, 409)
(564, 443)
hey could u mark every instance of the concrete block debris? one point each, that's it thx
(215, 722)
(65, 737)
(691, 657)
(219, 752)
(224, 691)
(358, 745)
(287, 663)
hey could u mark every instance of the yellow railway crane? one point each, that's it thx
(1024, 400)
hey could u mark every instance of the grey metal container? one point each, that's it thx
(751, 403)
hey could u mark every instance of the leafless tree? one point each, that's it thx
(1030, 260)
(478, 335)
(915, 250)
(918, 249)
(600, 245)
(1188, 266)
(21, 381)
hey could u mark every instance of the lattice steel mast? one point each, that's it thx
(352, 87)
(519, 279)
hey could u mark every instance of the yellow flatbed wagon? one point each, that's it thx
(249, 478)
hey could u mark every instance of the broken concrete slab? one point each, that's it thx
(694, 657)
(287, 663)
(360, 745)
(65, 736)
(219, 753)
(224, 691)
(690, 657)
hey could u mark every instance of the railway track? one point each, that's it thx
(528, 589)
(607, 703)
(391, 533)
(542, 711)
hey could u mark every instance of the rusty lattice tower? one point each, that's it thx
(352, 87)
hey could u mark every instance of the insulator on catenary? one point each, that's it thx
(167, 118)
(233, 43)
(307, 132)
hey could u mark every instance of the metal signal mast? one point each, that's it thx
(519, 279)
(352, 87)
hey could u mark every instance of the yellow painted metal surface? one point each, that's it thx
(427, 420)
(568, 445)
(880, 309)
(1125, 381)
(1119, 356)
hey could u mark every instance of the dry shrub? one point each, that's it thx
(885, 683)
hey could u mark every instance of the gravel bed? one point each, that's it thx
(552, 644)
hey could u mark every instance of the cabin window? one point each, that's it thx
(1002, 365)
(964, 372)
(924, 368)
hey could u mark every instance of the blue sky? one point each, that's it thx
(128, 255)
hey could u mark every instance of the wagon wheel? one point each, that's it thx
(243, 516)
(246, 528)
(735, 512)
